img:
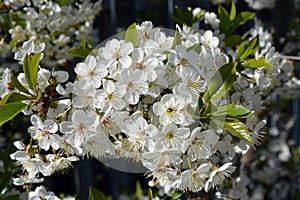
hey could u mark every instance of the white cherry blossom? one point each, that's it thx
(117, 53)
(82, 125)
(111, 96)
(45, 133)
(91, 71)
(28, 48)
(134, 83)
(200, 144)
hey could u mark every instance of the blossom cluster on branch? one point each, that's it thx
(59, 24)
(182, 104)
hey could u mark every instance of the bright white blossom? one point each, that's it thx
(117, 53)
(147, 102)
(41, 193)
(91, 71)
(28, 48)
(45, 133)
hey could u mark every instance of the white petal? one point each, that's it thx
(20, 145)
(40, 48)
(66, 127)
(158, 108)
(91, 62)
(113, 45)
(51, 126)
(36, 121)
(126, 49)
(125, 61)
(109, 86)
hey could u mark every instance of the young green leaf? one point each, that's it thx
(233, 40)
(237, 129)
(138, 190)
(233, 110)
(221, 82)
(224, 19)
(16, 83)
(247, 48)
(10, 110)
(232, 11)
(150, 195)
(241, 19)
(30, 68)
(200, 105)
(131, 35)
(80, 52)
(176, 195)
(192, 112)
(95, 194)
(178, 17)
(177, 39)
(257, 63)
(83, 43)
(13, 97)
(196, 47)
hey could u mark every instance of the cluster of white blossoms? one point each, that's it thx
(59, 24)
(140, 98)
(136, 100)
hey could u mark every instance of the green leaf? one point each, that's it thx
(192, 112)
(16, 83)
(178, 17)
(241, 19)
(232, 11)
(138, 190)
(83, 43)
(13, 97)
(79, 52)
(150, 195)
(257, 63)
(176, 195)
(247, 48)
(221, 82)
(131, 35)
(233, 40)
(30, 68)
(237, 129)
(95, 194)
(224, 19)
(196, 47)
(200, 105)
(177, 39)
(83, 51)
(199, 15)
(9, 111)
(233, 110)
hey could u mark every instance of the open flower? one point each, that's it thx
(134, 83)
(28, 48)
(91, 71)
(45, 133)
(194, 180)
(170, 109)
(111, 96)
(200, 144)
(219, 175)
(82, 125)
(117, 52)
